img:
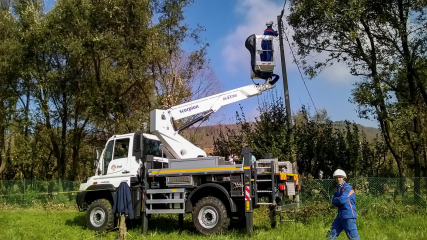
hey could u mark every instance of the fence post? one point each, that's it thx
(24, 192)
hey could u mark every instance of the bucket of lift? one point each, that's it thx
(260, 67)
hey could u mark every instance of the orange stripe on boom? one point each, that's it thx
(351, 192)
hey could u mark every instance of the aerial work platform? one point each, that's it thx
(260, 69)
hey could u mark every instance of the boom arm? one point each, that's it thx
(179, 147)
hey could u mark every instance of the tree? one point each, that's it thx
(268, 134)
(319, 145)
(9, 74)
(381, 41)
(82, 72)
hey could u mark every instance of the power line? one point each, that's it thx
(299, 70)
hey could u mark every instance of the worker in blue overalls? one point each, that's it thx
(344, 199)
(266, 44)
(267, 54)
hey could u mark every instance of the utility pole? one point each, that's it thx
(284, 75)
(285, 87)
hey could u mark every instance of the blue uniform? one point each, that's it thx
(345, 200)
(266, 45)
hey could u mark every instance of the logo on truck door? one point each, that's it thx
(114, 167)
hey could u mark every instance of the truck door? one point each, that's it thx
(115, 157)
(120, 155)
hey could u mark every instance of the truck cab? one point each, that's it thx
(120, 161)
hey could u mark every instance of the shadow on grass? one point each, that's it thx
(170, 224)
(79, 221)
(164, 224)
(260, 228)
(160, 223)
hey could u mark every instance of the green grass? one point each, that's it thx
(37, 223)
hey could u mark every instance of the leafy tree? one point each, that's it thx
(269, 133)
(229, 143)
(384, 43)
(81, 73)
(9, 72)
(319, 145)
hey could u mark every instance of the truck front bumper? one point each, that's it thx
(81, 204)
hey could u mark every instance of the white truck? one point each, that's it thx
(169, 175)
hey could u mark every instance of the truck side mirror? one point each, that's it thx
(96, 153)
(96, 160)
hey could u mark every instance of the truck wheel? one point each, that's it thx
(99, 215)
(210, 216)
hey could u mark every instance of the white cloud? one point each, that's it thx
(255, 14)
(337, 73)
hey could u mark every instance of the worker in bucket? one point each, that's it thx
(267, 55)
(344, 199)
(266, 44)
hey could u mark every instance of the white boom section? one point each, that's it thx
(179, 147)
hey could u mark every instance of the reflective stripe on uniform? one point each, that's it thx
(351, 206)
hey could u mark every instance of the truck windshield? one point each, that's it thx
(152, 147)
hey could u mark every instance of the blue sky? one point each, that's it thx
(228, 23)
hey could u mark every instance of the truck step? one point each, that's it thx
(264, 203)
(262, 191)
(174, 199)
(263, 180)
(164, 211)
(172, 190)
(160, 201)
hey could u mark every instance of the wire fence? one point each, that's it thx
(29, 193)
(369, 191)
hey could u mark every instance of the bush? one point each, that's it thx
(313, 210)
(316, 190)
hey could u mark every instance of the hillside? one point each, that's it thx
(370, 132)
(204, 135)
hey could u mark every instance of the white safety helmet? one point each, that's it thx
(269, 23)
(339, 173)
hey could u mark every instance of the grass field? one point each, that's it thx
(38, 223)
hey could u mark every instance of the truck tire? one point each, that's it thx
(210, 216)
(99, 215)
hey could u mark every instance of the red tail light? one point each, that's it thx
(282, 187)
(298, 187)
